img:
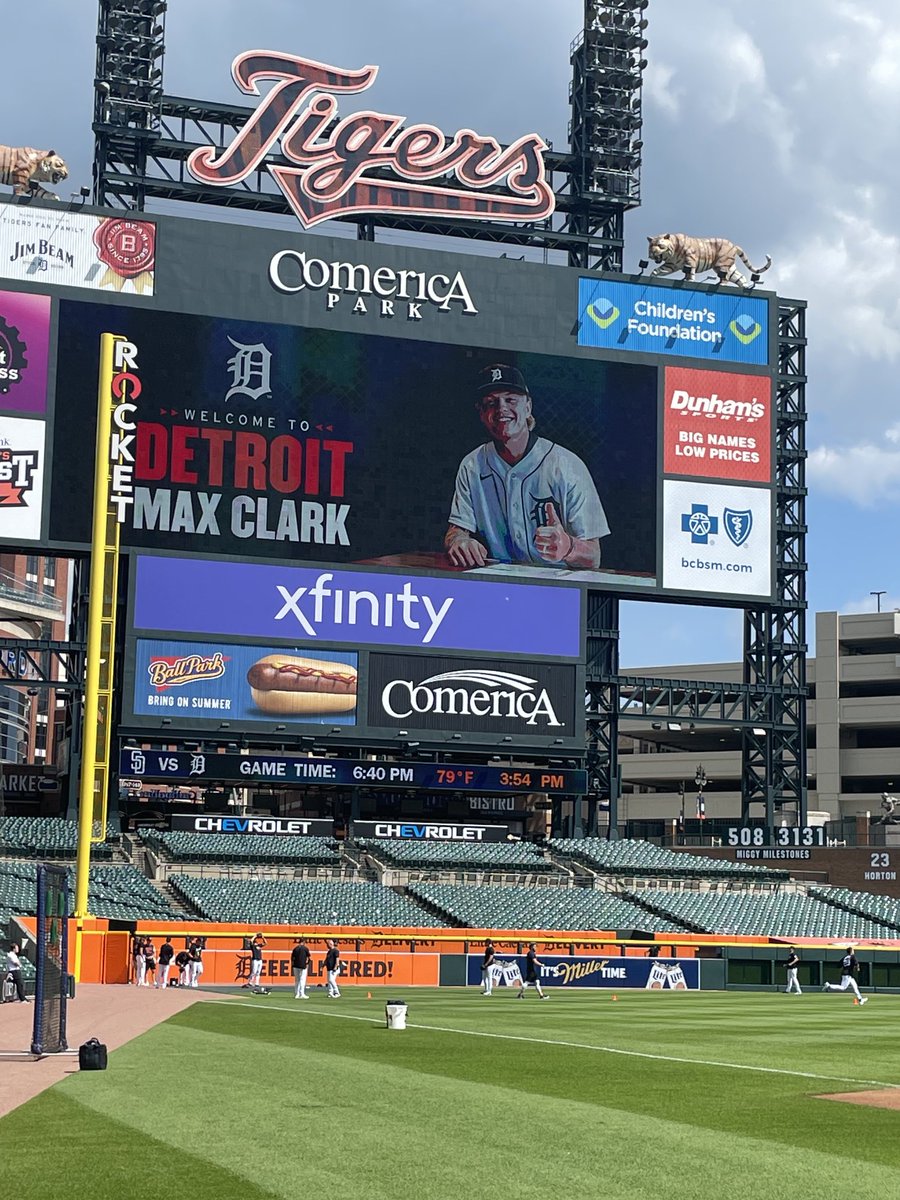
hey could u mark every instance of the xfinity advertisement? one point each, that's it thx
(259, 440)
(472, 696)
(191, 683)
(314, 606)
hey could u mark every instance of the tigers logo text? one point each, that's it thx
(340, 164)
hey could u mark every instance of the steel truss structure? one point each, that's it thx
(42, 665)
(769, 704)
(143, 139)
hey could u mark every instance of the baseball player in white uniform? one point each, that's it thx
(793, 966)
(520, 498)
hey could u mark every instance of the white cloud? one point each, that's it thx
(867, 474)
(884, 73)
(847, 267)
(659, 90)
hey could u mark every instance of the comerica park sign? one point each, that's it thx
(369, 161)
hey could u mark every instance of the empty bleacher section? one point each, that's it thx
(633, 857)
(45, 837)
(465, 856)
(879, 908)
(116, 893)
(539, 908)
(241, 848)
(779, 914)
(313, 902)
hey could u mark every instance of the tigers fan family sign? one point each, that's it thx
(339, 163)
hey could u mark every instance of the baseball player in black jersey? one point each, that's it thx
(300, 957)
(332, 967)
(532, 979)
(849, 968)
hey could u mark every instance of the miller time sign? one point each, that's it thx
(368, 162)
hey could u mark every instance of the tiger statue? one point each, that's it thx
(23, 165)
(679, 252)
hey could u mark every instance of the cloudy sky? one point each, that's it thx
(772, 123)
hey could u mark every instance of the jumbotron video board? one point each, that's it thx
(313, 400)
(364, 486)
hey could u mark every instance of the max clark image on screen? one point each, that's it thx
(520, 497)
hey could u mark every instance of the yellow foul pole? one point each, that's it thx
(99, 668)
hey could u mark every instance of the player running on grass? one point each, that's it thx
(849, 967)
(532, 962)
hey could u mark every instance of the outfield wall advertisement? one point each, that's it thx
(652, 974)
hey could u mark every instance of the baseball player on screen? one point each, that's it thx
(520, 498)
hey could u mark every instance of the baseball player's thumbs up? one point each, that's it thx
(552, 517)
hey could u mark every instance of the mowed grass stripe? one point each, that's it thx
(592, 1046)
(777, 1109)
(322, 1105)
(818, 1034)
(57, 1146)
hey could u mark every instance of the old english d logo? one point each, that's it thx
(738, 523)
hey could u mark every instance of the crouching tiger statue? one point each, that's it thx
(679, 252)
(23, 165)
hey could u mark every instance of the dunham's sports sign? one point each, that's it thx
(369, 161)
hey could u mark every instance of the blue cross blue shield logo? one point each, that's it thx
(738, 523)
(699, 524)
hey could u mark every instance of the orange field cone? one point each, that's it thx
(855, 1001)
(368, 995)
(615, 997)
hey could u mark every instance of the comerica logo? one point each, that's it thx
(471, 693)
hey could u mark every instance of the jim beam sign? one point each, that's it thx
(368, 162)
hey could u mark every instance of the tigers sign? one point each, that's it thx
(369, 162)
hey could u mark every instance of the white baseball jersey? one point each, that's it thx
(505, 504)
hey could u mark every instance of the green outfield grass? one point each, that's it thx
(688, 1096)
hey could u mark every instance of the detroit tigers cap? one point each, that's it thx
(500, 377)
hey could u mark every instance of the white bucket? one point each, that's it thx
(395, 1014)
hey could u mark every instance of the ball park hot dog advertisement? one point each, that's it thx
(202, 681)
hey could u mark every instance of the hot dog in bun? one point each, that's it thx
(283, 684)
